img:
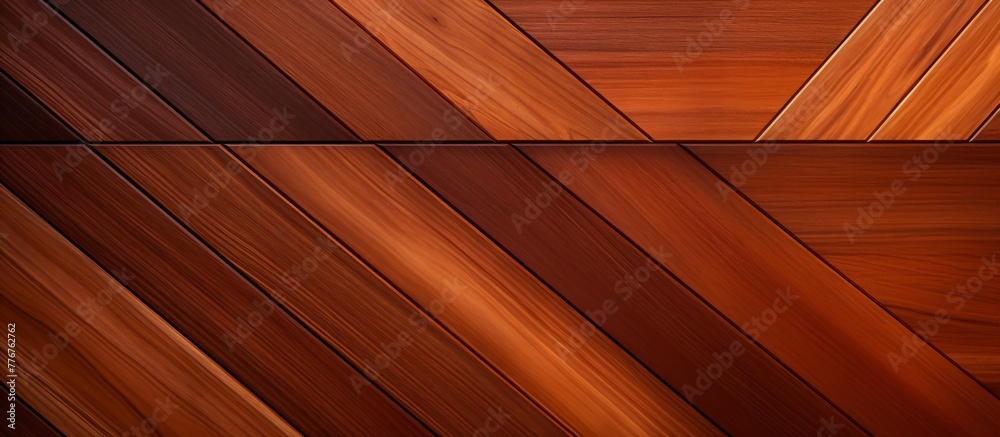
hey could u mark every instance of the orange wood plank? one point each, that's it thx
(490, 70)
(691, 69)
(960, 91)
(97, 361)
(991, 128)
(834, 336)
(204, 298)
(914, 254)
(868, 75)
(500, 310)
(409, 354)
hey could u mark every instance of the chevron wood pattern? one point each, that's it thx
(500, 217)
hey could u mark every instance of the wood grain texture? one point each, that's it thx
(22, 119)
(29, 422)
(479, 292)
(914, 254)
(113, 362)
(834, 336)
(960, 91)
(991, 128)
(206, 300)
(350, 307)
(347, 71)
(623, 290)
(88, 90)
(205, 70)
(693, 69)
(876, 67)
(490, 70)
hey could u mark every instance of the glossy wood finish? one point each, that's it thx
(481, 294)
(22, 119)
(876, 67)
(210, 75)
(226, 316)
(74, 78)
(346, 304)
(694, 69)
(740, 261)
(114, 362)
(959, 92)
(991, 128)
(490, 70)
(623, 290)
(31, 423)
(915, 253)
(348, 71)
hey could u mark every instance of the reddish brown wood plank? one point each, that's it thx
(210, 303)
(911, 255)
(377, 328)
(623, 290)
(205, 70)
(835, 337)
(94, 358)
(691, 69)
(29, 422)
(516, 322)
(23, 119)
(991, 128)
(88, 90)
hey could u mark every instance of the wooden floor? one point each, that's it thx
(510, 217)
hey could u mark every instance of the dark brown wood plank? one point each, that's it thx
(827, 330)
(206, 71)
(30, 423)
(375, 326)
(210, 303)
(23, 119)
(624, 290)
(80, 83)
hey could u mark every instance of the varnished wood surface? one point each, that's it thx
(31, 423)
(737, 259)
(22, 118)
(991, 128)
(115, 363)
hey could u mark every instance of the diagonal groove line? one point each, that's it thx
(124, 67)
(927, 72)
(816, 72)
(691, 290)
(42, 417)
(399, 291)
(985, 123)
(47, 109)
(412, 70)
(570, 70)
(128, 179)
(580, 312)
(147, 304)
(279, 70)
(836, 270)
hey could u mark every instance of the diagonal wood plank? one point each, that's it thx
(497, 307)
(84, 87)
(991, 128)
(347, 71)
(23, 119)
(490, 70)
(691, 69)
(236, 324)
(624, 290)
(960, 91)
(32, 423)
(875, 67)
(205, 70)
(917, 250)
(377, 328)
(95, 359)
(831, 334)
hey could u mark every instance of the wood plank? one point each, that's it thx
(874, 69)
(490, 70)
(207, 72)
(29, 422)
(912, 257)
(88, 90)
(960, 91)
(23, 119)
(802, 311)
(508, 316)
(991, 128)
(325, 286)
(347, 71)
(210, 303)
(95, 359)
(691, 69)
(623, 290)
